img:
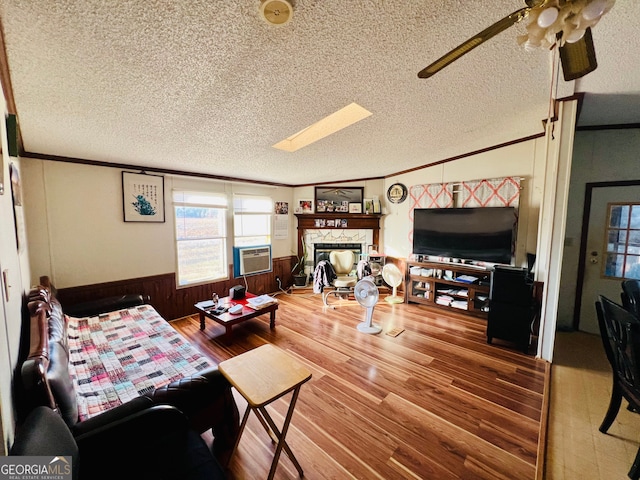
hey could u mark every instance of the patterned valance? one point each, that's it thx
(491, 192)
(494, 192)
(434, 195)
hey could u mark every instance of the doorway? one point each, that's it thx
(602, 231)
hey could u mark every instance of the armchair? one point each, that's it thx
(342, 262)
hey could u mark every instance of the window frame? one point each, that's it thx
(239, 210)
(608, 229)
(219, 202)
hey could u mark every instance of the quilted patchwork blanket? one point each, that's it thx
(120, 355)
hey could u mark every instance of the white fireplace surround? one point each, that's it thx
(364, 237)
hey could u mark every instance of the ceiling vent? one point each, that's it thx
(276, 12)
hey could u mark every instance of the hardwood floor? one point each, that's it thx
(435, 402)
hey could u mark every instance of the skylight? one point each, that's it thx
(332, 123)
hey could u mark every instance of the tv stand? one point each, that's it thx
(451, 286)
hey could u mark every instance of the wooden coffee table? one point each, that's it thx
(228, 320)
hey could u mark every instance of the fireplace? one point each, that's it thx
(321, 251)
(356, 232)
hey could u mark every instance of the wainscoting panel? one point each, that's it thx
(172, 302)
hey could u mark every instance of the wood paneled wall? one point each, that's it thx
(172, 302)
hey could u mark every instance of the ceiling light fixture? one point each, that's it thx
(332, 123)
(276, 12)
(562, 21)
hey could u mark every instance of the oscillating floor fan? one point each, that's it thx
(366, 294)
(393, 276)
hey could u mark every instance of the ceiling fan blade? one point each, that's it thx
(473, 42)
(578, 58)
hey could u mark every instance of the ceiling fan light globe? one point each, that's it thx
(574, 36)
(594, 10)
(547, 17)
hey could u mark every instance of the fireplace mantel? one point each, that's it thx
(364, 221)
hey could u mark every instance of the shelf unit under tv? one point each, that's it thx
(440, 285)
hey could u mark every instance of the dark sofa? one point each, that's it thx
(204, 398)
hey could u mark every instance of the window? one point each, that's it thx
(623, 241)
(201, 236)
(252, 220)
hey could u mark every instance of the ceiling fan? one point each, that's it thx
(338, 192)
(563, 23)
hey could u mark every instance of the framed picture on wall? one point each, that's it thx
(282, 208)
(18, 216)
(142, 197)
(337, 199)
(305, 206)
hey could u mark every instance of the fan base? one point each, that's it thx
(393, 299)
(372, 329)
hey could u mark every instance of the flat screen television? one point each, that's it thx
(480, 234)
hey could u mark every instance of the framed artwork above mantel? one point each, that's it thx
(330, 199)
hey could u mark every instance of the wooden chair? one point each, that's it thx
(631, 296)
(620, 332)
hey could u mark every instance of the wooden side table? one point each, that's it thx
(261, 376)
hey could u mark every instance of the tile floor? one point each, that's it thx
(580, 392)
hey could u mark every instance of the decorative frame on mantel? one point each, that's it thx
(142, 197)
(330, 199)
(354, 221)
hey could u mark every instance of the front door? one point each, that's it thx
(613, 248)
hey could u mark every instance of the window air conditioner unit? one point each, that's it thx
(251, 260)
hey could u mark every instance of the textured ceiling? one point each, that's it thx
(207, 86)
